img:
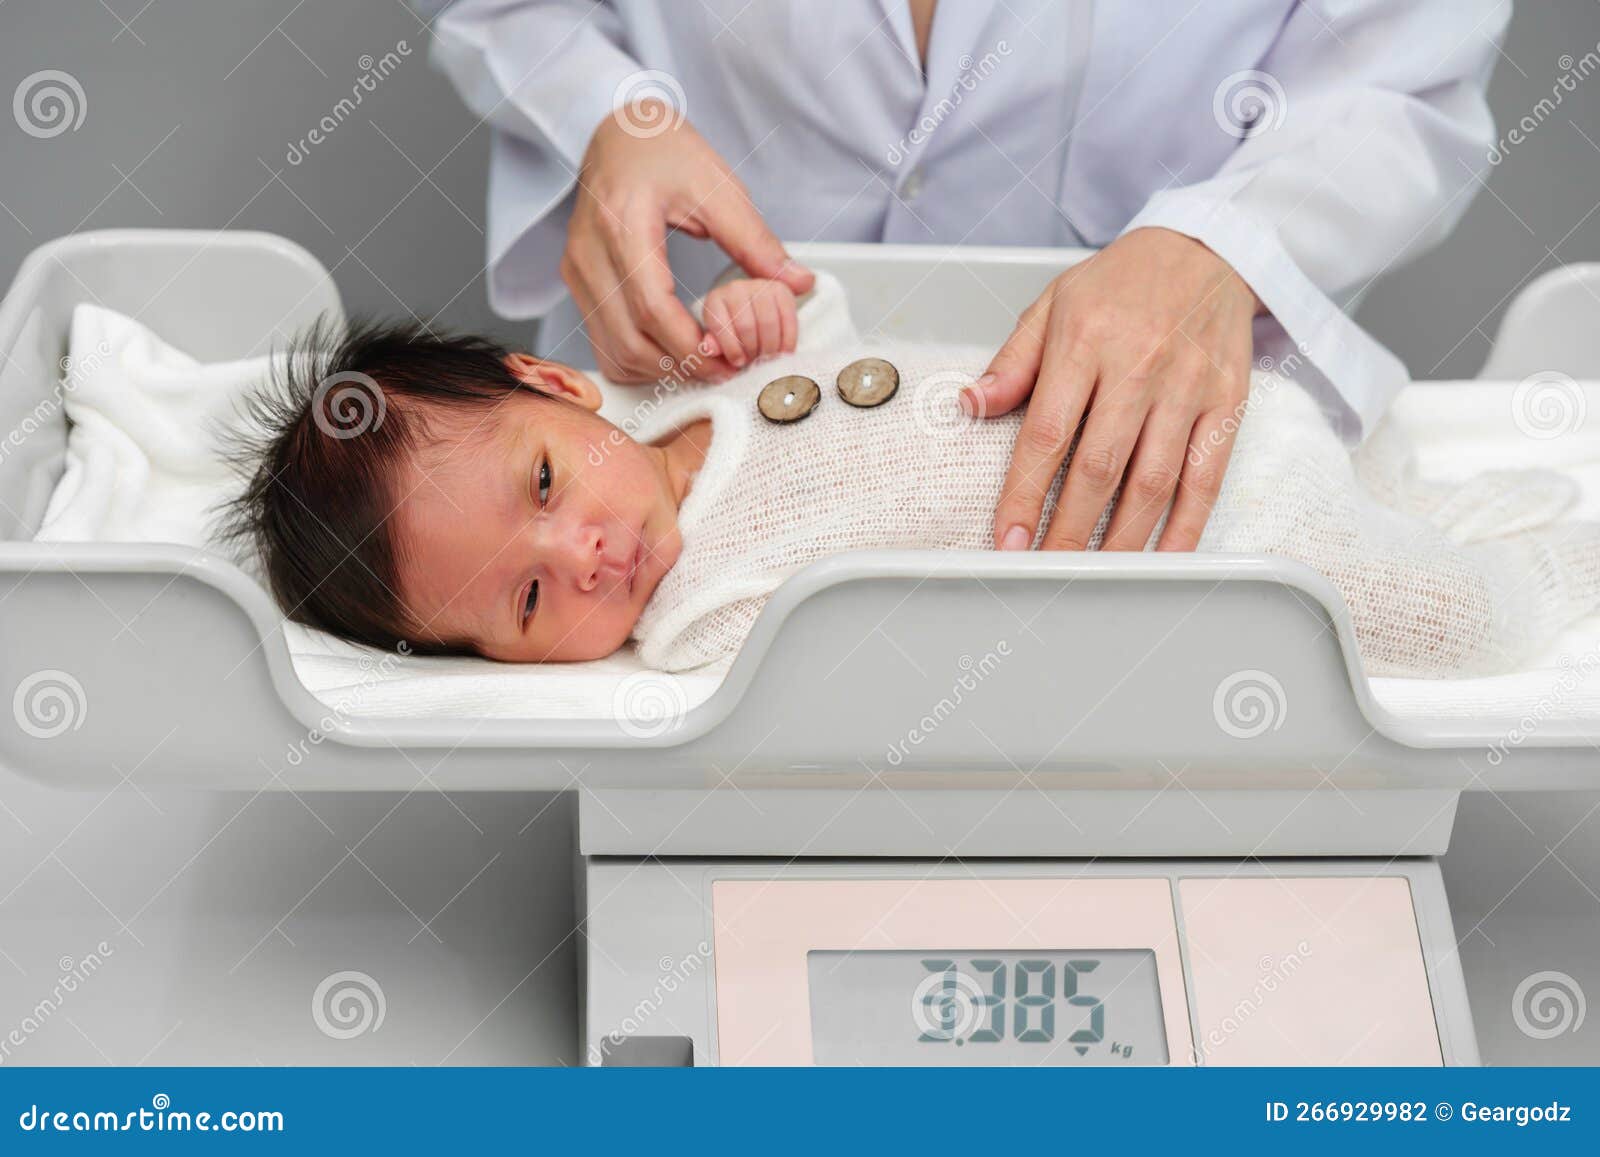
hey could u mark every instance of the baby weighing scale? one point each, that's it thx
(943, 808)
(1060, 963)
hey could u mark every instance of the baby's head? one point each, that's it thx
(449, 493)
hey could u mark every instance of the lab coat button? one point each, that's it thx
(868, 382)
(912, 186)
(789, 398)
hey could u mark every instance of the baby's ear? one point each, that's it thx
(556, 379)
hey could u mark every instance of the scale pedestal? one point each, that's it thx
(701, 958)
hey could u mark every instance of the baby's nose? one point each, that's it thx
(588, 558)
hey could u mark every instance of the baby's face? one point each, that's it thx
(533, 531)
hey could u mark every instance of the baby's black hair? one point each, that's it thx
(344, 410)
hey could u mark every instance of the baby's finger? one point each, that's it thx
(744, 321)
(720, 329)
(788, 315)
(769, 324)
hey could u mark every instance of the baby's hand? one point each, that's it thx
(749, 319)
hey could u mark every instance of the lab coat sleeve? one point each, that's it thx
(1374, 133)
(543, 74)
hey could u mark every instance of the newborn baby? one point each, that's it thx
(480, 504)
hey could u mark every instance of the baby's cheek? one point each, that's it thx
(607, 629)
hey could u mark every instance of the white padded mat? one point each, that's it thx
(355, 680)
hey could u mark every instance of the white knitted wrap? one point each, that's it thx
(1432, 591)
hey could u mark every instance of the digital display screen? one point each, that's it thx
(927, 1007)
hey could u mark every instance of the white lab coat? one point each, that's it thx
(1039, 122)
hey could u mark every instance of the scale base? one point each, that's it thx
(1287, 962)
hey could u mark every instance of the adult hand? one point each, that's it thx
(1146, 346)
(632, 188)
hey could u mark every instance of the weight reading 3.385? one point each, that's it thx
(953, 1005)
(976, 1005)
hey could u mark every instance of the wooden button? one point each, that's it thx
(789, 398)
(868, 382)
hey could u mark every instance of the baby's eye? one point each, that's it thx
(532, 602)
(544, 481)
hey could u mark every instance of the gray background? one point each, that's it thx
(196, 103)
(224, 912)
